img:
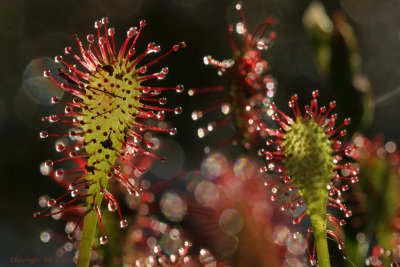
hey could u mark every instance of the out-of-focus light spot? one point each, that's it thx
(145, 184)
(173, 152)
(206, 193)
(156, 143)
(390, 147)
(280, 234)
(345, 172)
(159, 226)
(174, 234)
(214, 166)
(201, 133)
(40, 89)
(197, 114)
(240, 28)
(44, 169)
(266, 101)
(270, 85)
(244, 168)
(230, 222)
(173, 207)
(68, 247)
(259, 67)
(151, 241)
(56, 216)
(296, 245)
(225, 108)
(43, 201)
(358, 140)
(45, 236)
(169, 244)
(69, 227)
(381, 152)
(193, 178)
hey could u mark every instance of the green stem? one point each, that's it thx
(89, 227)
(318, 223)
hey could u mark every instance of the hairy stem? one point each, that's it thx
(318, 223)
(89, 227)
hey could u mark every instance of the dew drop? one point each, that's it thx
(59, 148)
(178, 110)
(48, 163)
(123, 223)
(111, 206)
(74, 193)
(103, 240)
(179, 88)
(43, 134)
(46, 73)
(172, 131)
(349, 213)
(51, 203)
(59, 173)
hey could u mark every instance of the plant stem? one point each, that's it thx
(89, 228)
(318, 223)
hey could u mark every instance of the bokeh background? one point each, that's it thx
(32, 32)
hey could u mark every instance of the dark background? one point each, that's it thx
(34, 29)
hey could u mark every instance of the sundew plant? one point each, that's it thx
(236, 171)
(109, 105)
